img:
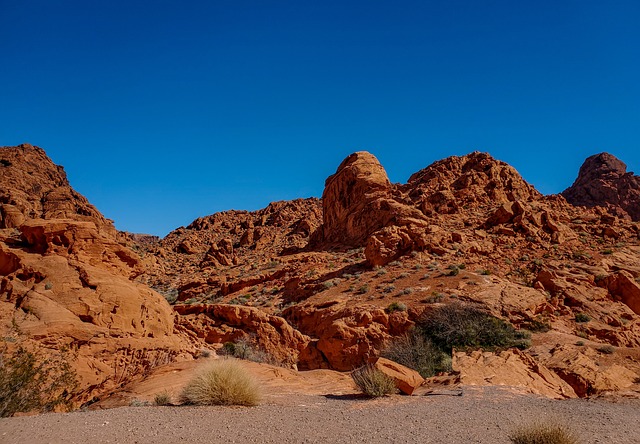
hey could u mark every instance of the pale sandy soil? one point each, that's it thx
(480, 415)
(322, 406)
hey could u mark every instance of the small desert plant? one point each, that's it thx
(363, 289)
(327, 284)
(419, 353)
(135, 402)
(224, 382)
(373, 382)
(162, 398)
(607, 349)
(396, 306)
(465, 325)
(246, 349)
(538, 325)
(30, 383)
(542, 434)
(381, 272)
(389, 288)
(582, 317)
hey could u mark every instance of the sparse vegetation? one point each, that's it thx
(607, 349)
(542, 433)
(465, 325)
(419, 353)
(29, 383)
(363, 289)
(224, 382)
(162, 398)
(372, 382)
(538, 325)
(397, 306)
(246, 349)
(582, 317)
(381, 271)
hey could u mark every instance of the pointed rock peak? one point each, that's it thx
(361, 166)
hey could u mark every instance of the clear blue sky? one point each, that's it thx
(163, 111)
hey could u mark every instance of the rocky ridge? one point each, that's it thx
(327, 283)
(535, 260)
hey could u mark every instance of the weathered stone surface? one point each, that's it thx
(603, 180)
(407, 380)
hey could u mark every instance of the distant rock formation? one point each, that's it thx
(603, 181)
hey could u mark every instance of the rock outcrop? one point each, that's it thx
(603, 181)
(65, 281)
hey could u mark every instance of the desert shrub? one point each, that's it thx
(162, 398)
(538, 325)
(246, 349)
(396, 306)
(419, 353)
(607, 349)
(542, 434)
(363, 289)
(465, 325)
(224, 382)
(582, 317)
(29, 383)
(372, 382)
(381, 272)
(389, 288)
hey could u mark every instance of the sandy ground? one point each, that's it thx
(480, 415)
(322, 406)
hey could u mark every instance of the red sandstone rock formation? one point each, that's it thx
(65, 281)
(603, 181)
(325, 284)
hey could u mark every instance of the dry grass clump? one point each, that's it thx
(542, 433)
(162, 398)
(372, 382)
(224, 382)
(419, 353)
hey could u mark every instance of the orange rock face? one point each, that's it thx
(65, 283)
(603, 181)
(357, 272)
(326, 283)
(407, 380)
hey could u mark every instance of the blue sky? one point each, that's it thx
(162, 111)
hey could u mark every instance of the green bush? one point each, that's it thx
(542, 434)
(31, 384)
(245, 349)
(419, 353)
(467, 326)
(607, 349)
(397, 306)
(373, 382)
(224, 382)
(582, 317)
